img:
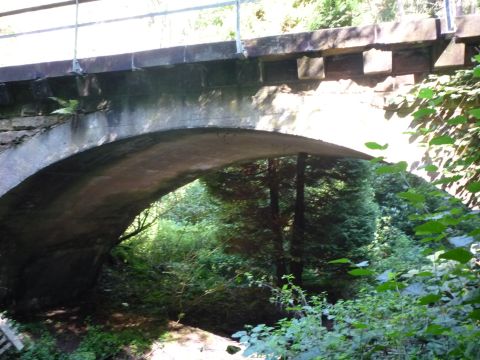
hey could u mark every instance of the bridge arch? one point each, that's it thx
(69, 192)
(344, 113)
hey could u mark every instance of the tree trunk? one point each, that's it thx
(275, 225)
(296, 246)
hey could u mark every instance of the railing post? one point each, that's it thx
(76, 68)
(450, 13)
(238, 40)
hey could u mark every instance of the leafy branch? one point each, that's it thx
(68, 107)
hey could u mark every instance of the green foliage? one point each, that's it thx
(68, 107)
(417, 310)
(97, 344)
(43, 348)
(388, 323)
(333, 13)
(339, 210)
(446, 113)
(179, 267)
(376, 146)
(341, 213)
(393, 249)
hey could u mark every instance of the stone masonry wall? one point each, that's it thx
(14, 131)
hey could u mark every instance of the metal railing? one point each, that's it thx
(80, 31)
(90, 28)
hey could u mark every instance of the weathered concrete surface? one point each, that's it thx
(345, 113)
(14, 132)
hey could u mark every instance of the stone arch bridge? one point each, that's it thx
(148, 122)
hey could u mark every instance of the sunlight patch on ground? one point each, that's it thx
(189, 343)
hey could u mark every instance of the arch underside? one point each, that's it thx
(58, 225)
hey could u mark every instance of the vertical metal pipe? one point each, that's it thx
(449, 6)
(401, 9)
(76, 68)
(237, 29)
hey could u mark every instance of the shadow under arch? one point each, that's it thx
(57, 226)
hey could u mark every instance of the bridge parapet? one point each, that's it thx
(338, 47)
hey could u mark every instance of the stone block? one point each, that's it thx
(452, 55)
(344, 66)
(279, 71)
(377, 62)
(467, 26)
(311, 68)
(412, 31)
(412, 61)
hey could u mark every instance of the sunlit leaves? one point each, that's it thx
(431, 168)
(476, 71)
(457, 120)
(360, 326)
(375, 146)
(459, 254)
(442, 140)
(377, 160)
(473, 187)
(421, 113)
(390, 286)
(392, 169)
(475, 113)
(433, 238)
(340, 261)
(412, 197)
(427, 251)
(426, 93)
(69, 107)
(430, 227)
(447, 180)
(361, 272)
